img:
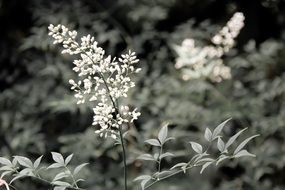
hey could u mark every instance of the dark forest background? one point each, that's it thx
(38, 113)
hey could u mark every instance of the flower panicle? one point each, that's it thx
(101, 79)
(199, 62)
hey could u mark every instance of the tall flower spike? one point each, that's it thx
(206, 62)
(101, 79)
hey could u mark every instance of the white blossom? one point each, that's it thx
(202, 62)
(102, 80)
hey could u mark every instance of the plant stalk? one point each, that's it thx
(124, 158)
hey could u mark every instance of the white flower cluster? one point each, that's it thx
(101, 79)
(199, 62)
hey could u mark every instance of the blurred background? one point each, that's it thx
(38, 113)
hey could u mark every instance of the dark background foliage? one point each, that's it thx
(39, 115)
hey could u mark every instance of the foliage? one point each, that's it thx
(22, 166)
(201, 158)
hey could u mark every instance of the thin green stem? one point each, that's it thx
(159, 159)
(124, 158)
(168, 176)
(72, 177)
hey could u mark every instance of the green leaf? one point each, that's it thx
(37, 162)
(219, 129)
(23, 161)
(168, 139)
(233, 138)
(57, 157)
(243, 153)
(55, 165)
(244, 143)
(166, 154)
(143, 183)
(27, 172)
(68, 159)
(142, 177)
(60, 176)
(5, 161)
(61, 183)
(221, 144)
(14, 162)
(197, 147)
(78, 168)
(182, 164)
(205, 166)
(205, 160)
(6, 168)
(208, 134)
(221, 158)
(146, 157)
(153, 142)
(162, 135)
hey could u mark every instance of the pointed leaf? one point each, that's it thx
(78, 168)
(221, 158)
(197, 147)
(27, 171)
(166, 154)
(60, 176)
(208, 134)
(61, 183)
(206, 160)
(55, 165)
(57, 157)
(205, 166)
(143, 183)
(219, 129)
(14, 162)
(168, 139)
(142, 177)
(243, 153)
(37, 162)
(146, 157)
(5, 161)
(244, 143)
(220, 144)
(233, 138)
(68, 159)
(179, 165)
(153, 142)
(6, 168)
(162, 135)
(23, 161)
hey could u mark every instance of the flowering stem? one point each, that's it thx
(159, 159)
(124, 157)
(120, 132)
